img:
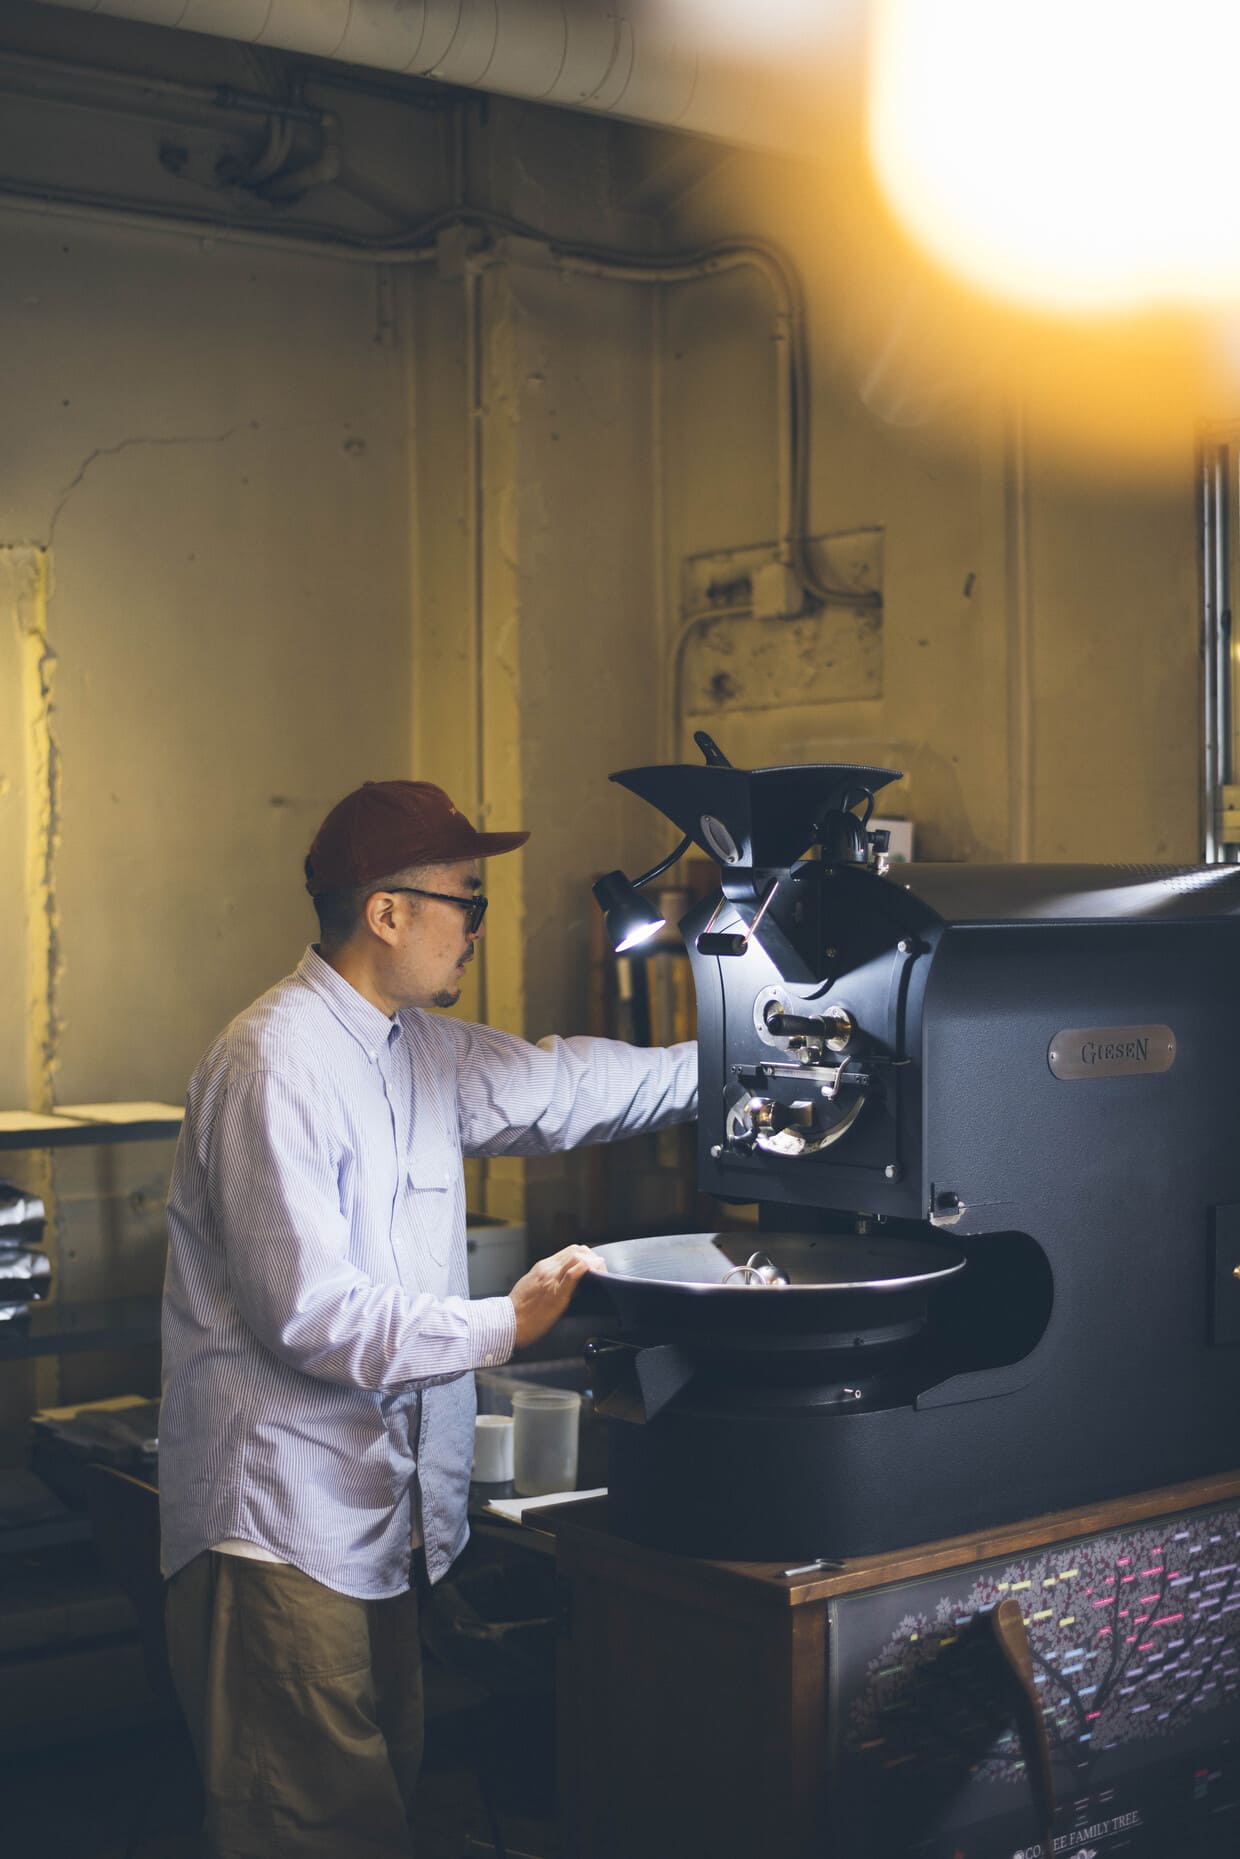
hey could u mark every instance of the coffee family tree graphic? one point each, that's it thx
(1134, 1635)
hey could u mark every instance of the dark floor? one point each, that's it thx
(134, 1795)
(93, 1765)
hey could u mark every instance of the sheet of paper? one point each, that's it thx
(126, 1113)
(20, 1121)
(514, 1508)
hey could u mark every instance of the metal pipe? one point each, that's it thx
(316, 241)
(1222, 733)
(417, 246)
(791, 376)
(320, 170)
(1021, 749)
(1209, 826)
(213, 97)
(676, 656)
(713, 262)
(475, 516)
(668, 720)
(1215, 645)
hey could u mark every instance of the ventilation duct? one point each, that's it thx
(647, 61)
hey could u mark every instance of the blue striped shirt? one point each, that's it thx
(318, 1334)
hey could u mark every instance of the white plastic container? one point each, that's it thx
(544, 1440)
(492, 1449)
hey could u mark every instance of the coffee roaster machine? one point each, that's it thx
(991, 1119)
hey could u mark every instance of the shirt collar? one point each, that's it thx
(369, 1025)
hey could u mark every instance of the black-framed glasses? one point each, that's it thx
(475, 908)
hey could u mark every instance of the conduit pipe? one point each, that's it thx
(792, 381)
(516, 240)
(629, 58)
(210, 97)
(268, 176)
(1021, 696)
(1216, 491)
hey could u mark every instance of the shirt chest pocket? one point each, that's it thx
(432, 1184)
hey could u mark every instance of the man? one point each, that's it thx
(317, 1424)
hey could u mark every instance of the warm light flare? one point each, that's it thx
(1072, 154)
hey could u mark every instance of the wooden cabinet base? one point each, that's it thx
(711, 1710)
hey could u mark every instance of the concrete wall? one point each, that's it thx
(1115, 706)
(209, 449)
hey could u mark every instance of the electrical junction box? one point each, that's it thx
(750, 639)
(497, 1255)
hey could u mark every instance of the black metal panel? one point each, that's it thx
(834, 939)
(1072, 893)
(1114, 1181)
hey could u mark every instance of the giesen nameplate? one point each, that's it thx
(1111, 1051)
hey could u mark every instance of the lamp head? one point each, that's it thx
(629, 919)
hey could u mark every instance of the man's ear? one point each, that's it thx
(379, 915)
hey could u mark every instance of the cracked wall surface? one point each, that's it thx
(21, 605)
(31, 943)
(217, 448)
(230, 618)
(30, 939)
(43, 769)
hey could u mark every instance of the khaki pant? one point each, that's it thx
(305, 1709)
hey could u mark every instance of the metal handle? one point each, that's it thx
(727, 943)
(733, 942)
(784, 1025)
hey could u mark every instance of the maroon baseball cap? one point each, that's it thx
(385, 826)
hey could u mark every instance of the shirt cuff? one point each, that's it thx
(492, 1330)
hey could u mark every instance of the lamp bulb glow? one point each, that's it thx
(1073, 154)
(642, 934)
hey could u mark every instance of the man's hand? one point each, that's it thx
(543, 1294)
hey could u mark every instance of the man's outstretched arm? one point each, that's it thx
(520, 1099)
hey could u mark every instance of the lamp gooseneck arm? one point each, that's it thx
(656, 871)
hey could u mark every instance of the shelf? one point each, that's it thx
(75, 1125)
(53, 1329)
